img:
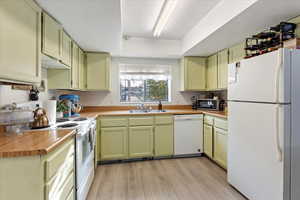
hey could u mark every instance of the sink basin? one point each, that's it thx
(146, 111)
(157, 111)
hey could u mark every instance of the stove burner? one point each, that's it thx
(80, 119)
(70, 125)
(62, 120)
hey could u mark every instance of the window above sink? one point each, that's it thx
(145, 83)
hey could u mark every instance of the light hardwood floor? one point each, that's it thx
(171, 179)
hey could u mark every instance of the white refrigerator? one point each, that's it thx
(264, 126)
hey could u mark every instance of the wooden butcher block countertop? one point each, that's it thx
(32, 143)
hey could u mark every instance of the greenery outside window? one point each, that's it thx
(145, 83)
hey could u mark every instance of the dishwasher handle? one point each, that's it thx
(188, 117)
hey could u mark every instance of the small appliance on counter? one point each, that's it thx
(207, 104)
(72, 102)
(194, 102)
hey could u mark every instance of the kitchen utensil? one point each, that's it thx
(40, 119)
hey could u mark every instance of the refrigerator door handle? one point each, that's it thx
(277, 76)
(277, 135)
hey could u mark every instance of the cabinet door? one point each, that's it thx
(75, 66)
(140, 141)
(222, 69)
(163, 140)
(20, 41)
(220, 147)
(59, 79)
(212, 72)
(98, 71)
(114, 143)
(237, 53)
(51, 37)
(208, 140)
(194, 73)
(82, 70)
(66, 49)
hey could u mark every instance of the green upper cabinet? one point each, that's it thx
(98, 71)
(66, 49)
(51, 34)
(193, 74)
(222, 69)
(237, 52)
(114, 143)
(59, 79)
(75, 66)
(212, 72)
(20, 41)
(82, 70)
(140, 141)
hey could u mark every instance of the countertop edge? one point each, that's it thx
(97, 114)
(37, 152)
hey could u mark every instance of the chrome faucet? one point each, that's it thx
(142, 107)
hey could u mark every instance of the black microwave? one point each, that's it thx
(208, 104)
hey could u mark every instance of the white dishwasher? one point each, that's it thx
(188, 134)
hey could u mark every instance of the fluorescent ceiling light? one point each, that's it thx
(165, 13)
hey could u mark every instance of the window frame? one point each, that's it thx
(148, 102)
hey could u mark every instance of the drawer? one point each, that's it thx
(71, 195)
(60, 177)
(60, 189)
(55, 162)
(114, 122)
(163, 119)
(221, 123)
(208, 119)
(140, 121)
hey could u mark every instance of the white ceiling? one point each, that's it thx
(196, 27)
(139, 17)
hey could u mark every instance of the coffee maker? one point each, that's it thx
(72, 102)
(194, 102)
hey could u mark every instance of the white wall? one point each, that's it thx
(8, 95)
(113, 98)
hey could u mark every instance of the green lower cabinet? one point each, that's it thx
(163, 140)
(140, 141)
(113, 143)
(208, 140)
(220, 146)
